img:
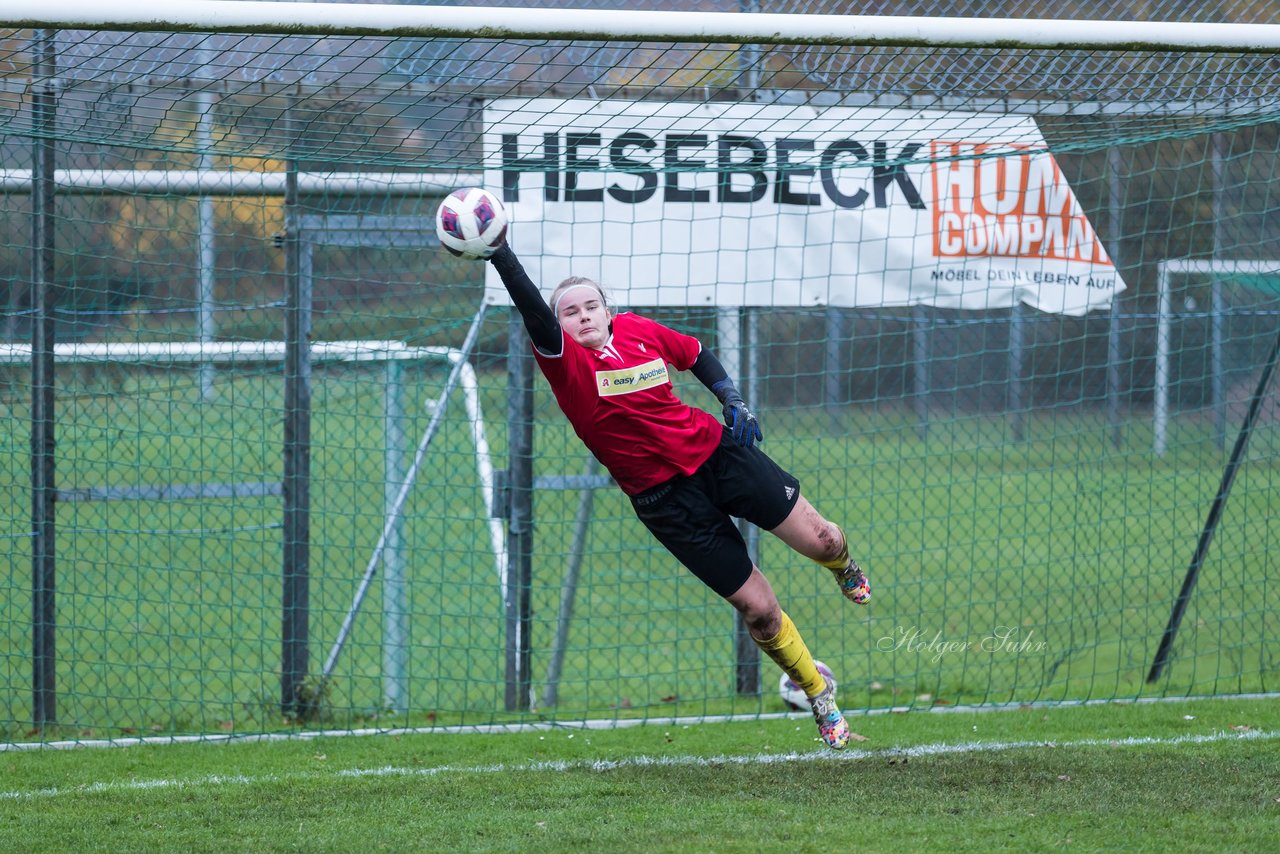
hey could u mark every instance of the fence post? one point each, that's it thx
(1217, 301)
(44, 704)
(1115, 220)
(921, 352)
(206, 226)
(730, 348)
(1017, 356)
(395, 590)
(519, 517)
(295, 599)
(835, 377)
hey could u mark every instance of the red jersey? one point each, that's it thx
(620, 402)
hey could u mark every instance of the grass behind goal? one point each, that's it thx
(999, 574)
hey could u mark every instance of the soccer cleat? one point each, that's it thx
(853, 583)
(831, 723)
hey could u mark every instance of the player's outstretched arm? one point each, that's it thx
(741, 422)
(544, 329)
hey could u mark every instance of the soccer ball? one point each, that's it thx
(471, 223)
(793, 695)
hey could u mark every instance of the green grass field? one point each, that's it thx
(1187, 776)
(1003, 571)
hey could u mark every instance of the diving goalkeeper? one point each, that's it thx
(684, 472)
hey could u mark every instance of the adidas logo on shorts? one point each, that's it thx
(790, 491)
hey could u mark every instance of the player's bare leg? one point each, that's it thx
(758, 604)
(818, 539)
(773, 632)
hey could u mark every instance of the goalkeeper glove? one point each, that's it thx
(741, 422)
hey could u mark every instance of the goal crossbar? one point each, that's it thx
(356, 19)
(226, 182)
(173, 353)
(190, 352)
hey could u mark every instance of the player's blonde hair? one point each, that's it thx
(577, 282)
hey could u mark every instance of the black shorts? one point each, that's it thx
(691, 515)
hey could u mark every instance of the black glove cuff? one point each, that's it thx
(727, 393)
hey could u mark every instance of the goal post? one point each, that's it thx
(400, 477)
(934, 251)
(1215, 269)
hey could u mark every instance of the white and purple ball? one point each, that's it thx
(471, 223)
(793, 695)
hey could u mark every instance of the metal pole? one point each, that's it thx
(748, 674)
(1017, 402)
(729, 349)
(206, 321)
(394, 514)
(44, 701)
(1217, 304)
(395, 600)
(1115, 209)
(520, 516)
(206, 256)
(835, 378)
(1160, 404)
(920, 367)
(1215, 515)
(569, 590)
(297, 458)
(1217, 385)
(750, 57)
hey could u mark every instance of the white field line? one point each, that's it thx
(594, 724)
(600, 765)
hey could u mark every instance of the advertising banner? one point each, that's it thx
(684, 204)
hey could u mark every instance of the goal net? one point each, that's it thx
(932, 250)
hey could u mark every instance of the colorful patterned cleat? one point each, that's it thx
(853, 583)
(831, 723)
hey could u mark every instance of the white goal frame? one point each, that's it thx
(1165, 271)
(392, 354)
(616, 25)
(347, 19)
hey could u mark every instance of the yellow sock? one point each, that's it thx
(788, 651)
(841, 560)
